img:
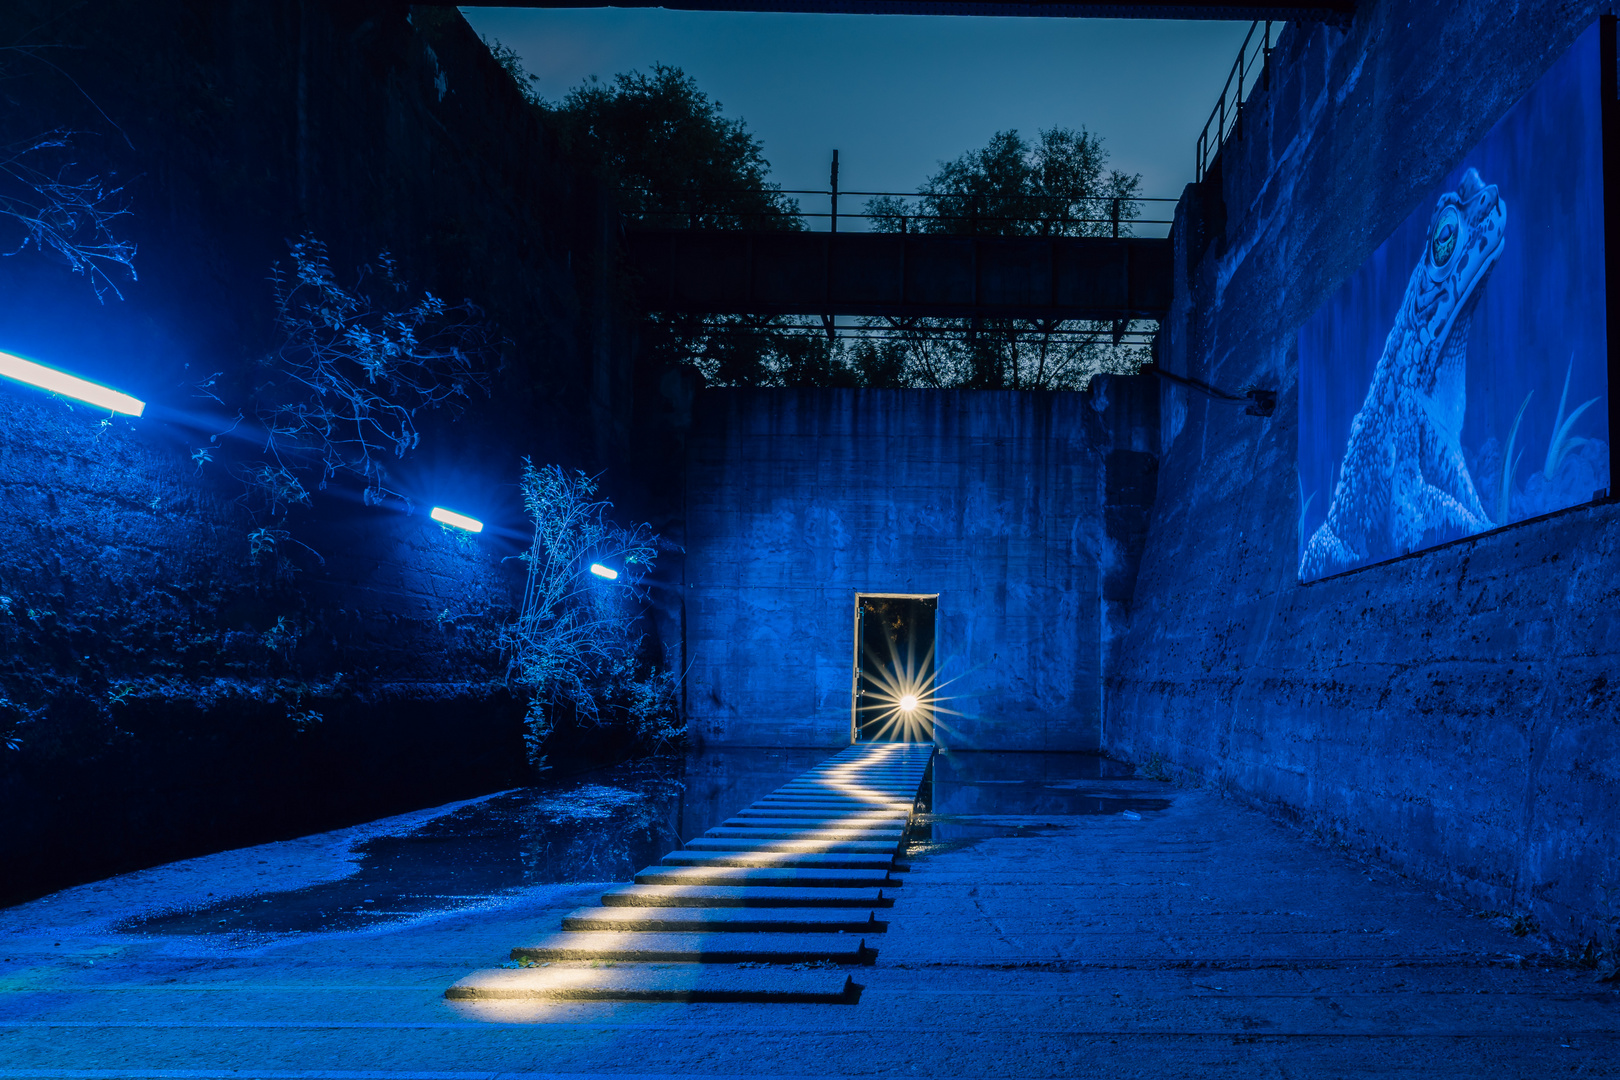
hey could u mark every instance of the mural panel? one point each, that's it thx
(1458, 381)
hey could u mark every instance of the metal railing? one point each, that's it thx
(981, 215)
(1251, 68)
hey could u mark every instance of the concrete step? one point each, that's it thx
(788, 830)
(815, 821)
(808, 860)
(812, 819)
(725, 920)
(787, 877)
(881, 812)
(839, 802)
(722, 843)
(896, 783)
(719, 948)
(568, 981)
(742, 896)
(851, 791)
(845, 772)
(832, 811)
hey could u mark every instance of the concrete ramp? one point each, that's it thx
(775, 904)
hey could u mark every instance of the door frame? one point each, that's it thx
(855, 654)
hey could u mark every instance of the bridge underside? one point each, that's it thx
(901, 276)
(1332, 11)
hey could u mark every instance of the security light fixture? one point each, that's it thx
(60, 382)
(604, 572)
(460, 521)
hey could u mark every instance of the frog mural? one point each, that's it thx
(1404, 474)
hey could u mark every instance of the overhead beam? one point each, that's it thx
(1329, 11)
(902, 276)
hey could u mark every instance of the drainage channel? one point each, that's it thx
(774, 904)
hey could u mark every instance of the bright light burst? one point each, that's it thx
(901, 701)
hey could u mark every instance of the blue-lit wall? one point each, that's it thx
(1453, 712)
(1021, 510)
(1540, 320)
(151, 672)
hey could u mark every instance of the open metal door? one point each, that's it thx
(894, 668)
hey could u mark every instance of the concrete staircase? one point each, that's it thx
(774, 904)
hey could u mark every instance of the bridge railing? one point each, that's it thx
(909, 212)
(1251, 68)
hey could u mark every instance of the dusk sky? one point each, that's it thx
(897, 94)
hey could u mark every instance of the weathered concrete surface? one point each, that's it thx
(997, 501)
(1455, 713)
(157, 667)
(1199, 941)
(565, 981)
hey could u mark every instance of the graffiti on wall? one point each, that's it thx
(1458, 381)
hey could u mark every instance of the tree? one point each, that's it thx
(341, 393)
(674, 160)
(671, 155)
(1059, 185)
(50, 203)
(574, 649)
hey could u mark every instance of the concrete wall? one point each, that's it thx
(151, 670)
(799, 500)
(1454, 713)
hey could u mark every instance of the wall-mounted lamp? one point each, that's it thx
(460, 521)
(604, 571)
(60, 382)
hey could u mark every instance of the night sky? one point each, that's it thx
(897, 94)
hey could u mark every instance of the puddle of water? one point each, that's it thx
(606, 825)
(720, 782)
(603, 826)
(971, 783)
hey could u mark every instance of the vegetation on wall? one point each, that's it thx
(575, 647)
(49, 202)
(341, 393)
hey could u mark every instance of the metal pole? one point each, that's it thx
(1266, 74)
(1243, 55)
(1114, 213)
(834, 195)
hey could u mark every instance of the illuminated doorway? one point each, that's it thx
(894, 668)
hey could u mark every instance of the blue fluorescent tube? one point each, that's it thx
(60, 382)
(460, 521)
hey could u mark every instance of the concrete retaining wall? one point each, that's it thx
(1454, 713)
(158, 681)
(799, 500)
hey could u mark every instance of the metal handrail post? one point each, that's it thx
(834, 225)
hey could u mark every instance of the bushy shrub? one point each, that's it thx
(575, 646)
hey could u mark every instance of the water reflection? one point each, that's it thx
(722, 781)
(603, 826)
(608, 824)
(968, 783)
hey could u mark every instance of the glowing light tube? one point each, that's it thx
(460, 521)
(60, 382)
(602, 571)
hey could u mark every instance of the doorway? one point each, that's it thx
(894, 668)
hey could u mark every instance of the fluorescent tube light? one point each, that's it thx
(460, 521)
(602, 571)
(60, 382)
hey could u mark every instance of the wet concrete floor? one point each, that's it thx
(1061, 918)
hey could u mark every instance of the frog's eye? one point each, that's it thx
(1444, 241)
